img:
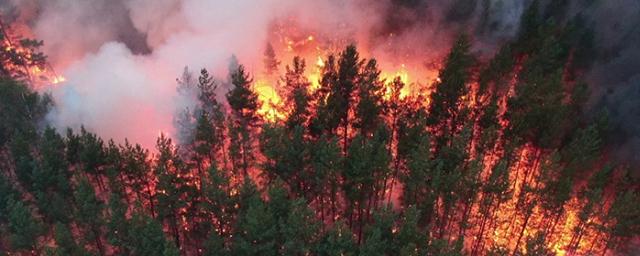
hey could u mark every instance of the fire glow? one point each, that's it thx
(24, 64)
(507, 228)
(491, 220)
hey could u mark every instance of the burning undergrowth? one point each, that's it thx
(489, 143)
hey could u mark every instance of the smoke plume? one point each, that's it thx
(121, 57)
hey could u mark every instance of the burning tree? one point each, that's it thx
(494, 158)
(21, 60)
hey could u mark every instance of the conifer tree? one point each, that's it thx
(366, 163)
(379, 239)
(244, 105)
(117, 224)
(271, 63)
(89, 214)
(65, 242)
(297, 93)
(338, 240)
(287, 156)
(218, 204)
(146, 237)
(370, 89)
(326, 163)
(444, 108)
(210, 127)
(299, 230)
(137, 172)
(411, 239)
(171, 187)
(325, 120)
(7, 193)
(256, 229)
(24, 228)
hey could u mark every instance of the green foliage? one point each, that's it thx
(146, 237)
(288, 156)
(23, 226)
(242, 100)
(379, 236)
(117, 225)
(244, 105)
(65, 242)
(299, 230)
(325, 175)
(20, 110)
(370, 89)
(256, 230)
(89, 214)
(445, 105)
(297, 94)
(338, 240)
(7, 194)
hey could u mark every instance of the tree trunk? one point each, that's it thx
(524, 227)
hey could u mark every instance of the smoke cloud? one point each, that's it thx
(121, 57)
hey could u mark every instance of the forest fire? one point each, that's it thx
(289, 41)
(21, 61)
(320, 140)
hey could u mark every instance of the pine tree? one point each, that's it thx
(446, 100)
(210, 127)
(419, 172)
(287, 156)
(299, 229)
(380, 236)
(146, 237)
(117, 224)
(337, 241)
(20, 111)
(341, 98)
(184, 118)
(89, 214)
(622, 218)
(137, 172)
(218, 203)
(24, 228)
(411, 239)
(536, 112)
(91, 155)
(297, 94)
(326, 120)
(25, 163)
(256, 228)
(244, 105)
(271, 63)
(65, 242)
(51, 179)
(593, 197)
(336, 94)
(7, 193)
(369, 108)
(495, 191)
(537, 246)
(171, 187)
(366, 163)
(326, 163)
(214, 245)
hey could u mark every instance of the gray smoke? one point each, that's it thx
(121, 57)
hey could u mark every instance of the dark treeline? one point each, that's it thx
(499, 159)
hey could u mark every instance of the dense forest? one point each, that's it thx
(497, 157)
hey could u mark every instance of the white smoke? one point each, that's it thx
(121, 57)
(121, 92)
